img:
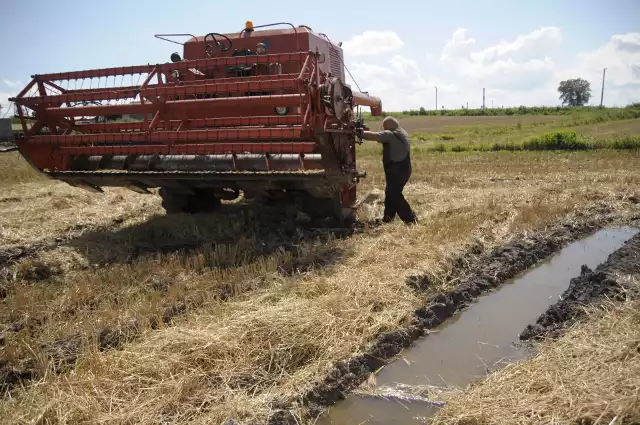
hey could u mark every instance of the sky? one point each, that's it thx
(398, 50)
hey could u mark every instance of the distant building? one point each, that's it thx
(6, 132)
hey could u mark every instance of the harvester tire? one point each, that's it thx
(204, 201)
(327, 209)
(175, 202)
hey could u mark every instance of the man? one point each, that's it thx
(396, 160)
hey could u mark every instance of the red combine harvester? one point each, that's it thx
(265, 112)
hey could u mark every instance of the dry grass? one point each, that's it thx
(14, 169)
(589, 376)
(250, 333)
(43, 210)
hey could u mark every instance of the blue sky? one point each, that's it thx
(518, 50)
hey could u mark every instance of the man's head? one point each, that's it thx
(390, 123)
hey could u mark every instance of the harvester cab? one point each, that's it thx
(262, 112)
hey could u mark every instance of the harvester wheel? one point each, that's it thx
(175, 202)
(204, 201)
(327, 209)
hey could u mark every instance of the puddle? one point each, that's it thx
(471, 343)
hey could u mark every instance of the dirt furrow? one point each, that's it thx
(473, 275)
(606, 281)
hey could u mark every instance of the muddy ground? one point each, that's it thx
(475, 274)
(606, 281)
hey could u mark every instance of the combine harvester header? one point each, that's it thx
(264, 111)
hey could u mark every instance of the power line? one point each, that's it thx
(436, 97)
(604, 71)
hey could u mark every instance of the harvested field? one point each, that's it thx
(586, 131)
(440, 124)
(610, 128)
(141, 317)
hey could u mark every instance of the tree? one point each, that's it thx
(574, 92)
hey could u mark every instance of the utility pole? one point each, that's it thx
(491, 103)
(436, 97)
(483, 98)
(604, 71)
(467, 105)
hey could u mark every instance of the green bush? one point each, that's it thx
(559, 140)
(625, 143)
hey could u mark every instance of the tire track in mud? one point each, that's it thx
(475, 274)
(591, 286)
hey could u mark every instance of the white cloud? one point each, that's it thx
(400, 83)
(522, 71)
(459, 45)
(371, 43)
(627, 42)
(520, 64)
(620, 55)
(10, 83)
(532, 45)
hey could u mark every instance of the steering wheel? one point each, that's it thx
(208, 48)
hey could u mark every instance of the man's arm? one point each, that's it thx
(378, 136)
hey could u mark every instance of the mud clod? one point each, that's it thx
(418, 283)
(589, 287)
(35, 271)
(114, 338)
(283, 417)
(9, 377)
(63, 352)
(441, 310)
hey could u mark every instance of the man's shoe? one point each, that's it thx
(387, 219)
(413, 220)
